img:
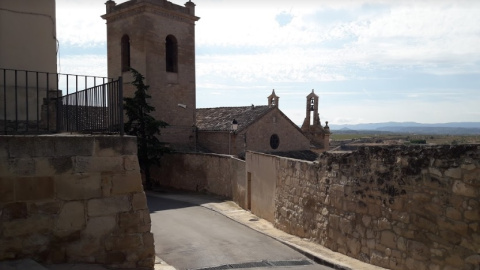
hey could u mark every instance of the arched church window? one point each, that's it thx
(171, 53)
(125, 53)
(274, 141)
(312, 104)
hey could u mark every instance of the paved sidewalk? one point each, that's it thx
(231, 210)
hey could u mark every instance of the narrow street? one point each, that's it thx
(188, 236)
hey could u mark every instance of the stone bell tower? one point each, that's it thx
(319, 136)
(157, 38)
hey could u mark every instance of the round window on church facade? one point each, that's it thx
(274, 141)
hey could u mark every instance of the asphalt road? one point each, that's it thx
(193, 237)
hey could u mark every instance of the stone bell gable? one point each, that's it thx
(312, 128)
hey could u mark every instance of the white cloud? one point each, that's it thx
(242, 47)
(93, 65)
(79, 22)
(402, 33)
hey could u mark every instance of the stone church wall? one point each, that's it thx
(73, 199)
(256, 137)
(290, 138)
(395, 207)
(213, 173)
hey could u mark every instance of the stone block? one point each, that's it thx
(472, 215)
(424, 223)
(402, 244)
(366, 220)
(45, 208)
(6, 189)
(374, 210)
(123, 242)
(453, 213)
(99, 227)
(107, 146)
(34, 188)
(71, 217)
(128, 222)
(460, 188)
(412, 264)
(418, 250)
(4, 147)
(12, 211)
(455, 173)
(114, 258)
(148, 240)
(21, 147)
(434, 208)
(455, 260)
(403, 217)
(97, 164)
(74, 146)
(388, 239)
(435, 172)
(108, 206)
(21, 166)
(139, 201)
(379, 259)
(353, 246)
(346, 226)
(43, 166)
(384, 224)
(43, 146)
(472, 177)
(450, 237)
(145, 214)
(83, 248)
(36, 242)
(78, 186)
(61, 165)
(26, 226)
(126, 182)
(473, 259)
(130, 163)
(452, 225)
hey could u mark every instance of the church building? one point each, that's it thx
(157, 38)
(233, 130)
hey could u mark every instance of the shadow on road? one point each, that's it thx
(167, 199)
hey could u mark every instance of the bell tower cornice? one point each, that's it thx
(163, 8)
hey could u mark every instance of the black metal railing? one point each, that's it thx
(31, 102)
(97, 109)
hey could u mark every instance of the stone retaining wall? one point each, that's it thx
(395, 207)
(73, 199)
(222, 175)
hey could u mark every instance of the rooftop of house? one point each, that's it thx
(220, 119)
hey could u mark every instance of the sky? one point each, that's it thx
(369, 61)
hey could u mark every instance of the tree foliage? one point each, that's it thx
(144, 126)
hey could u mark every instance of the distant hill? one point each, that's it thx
(455, 128)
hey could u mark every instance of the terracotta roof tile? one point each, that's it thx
(220, 119)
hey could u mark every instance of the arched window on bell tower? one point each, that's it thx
(171, 54)
(125, 53)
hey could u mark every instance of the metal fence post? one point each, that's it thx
(120, 104)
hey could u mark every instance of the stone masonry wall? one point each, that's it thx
(73, 199)
(395, 207)
(213, 173)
